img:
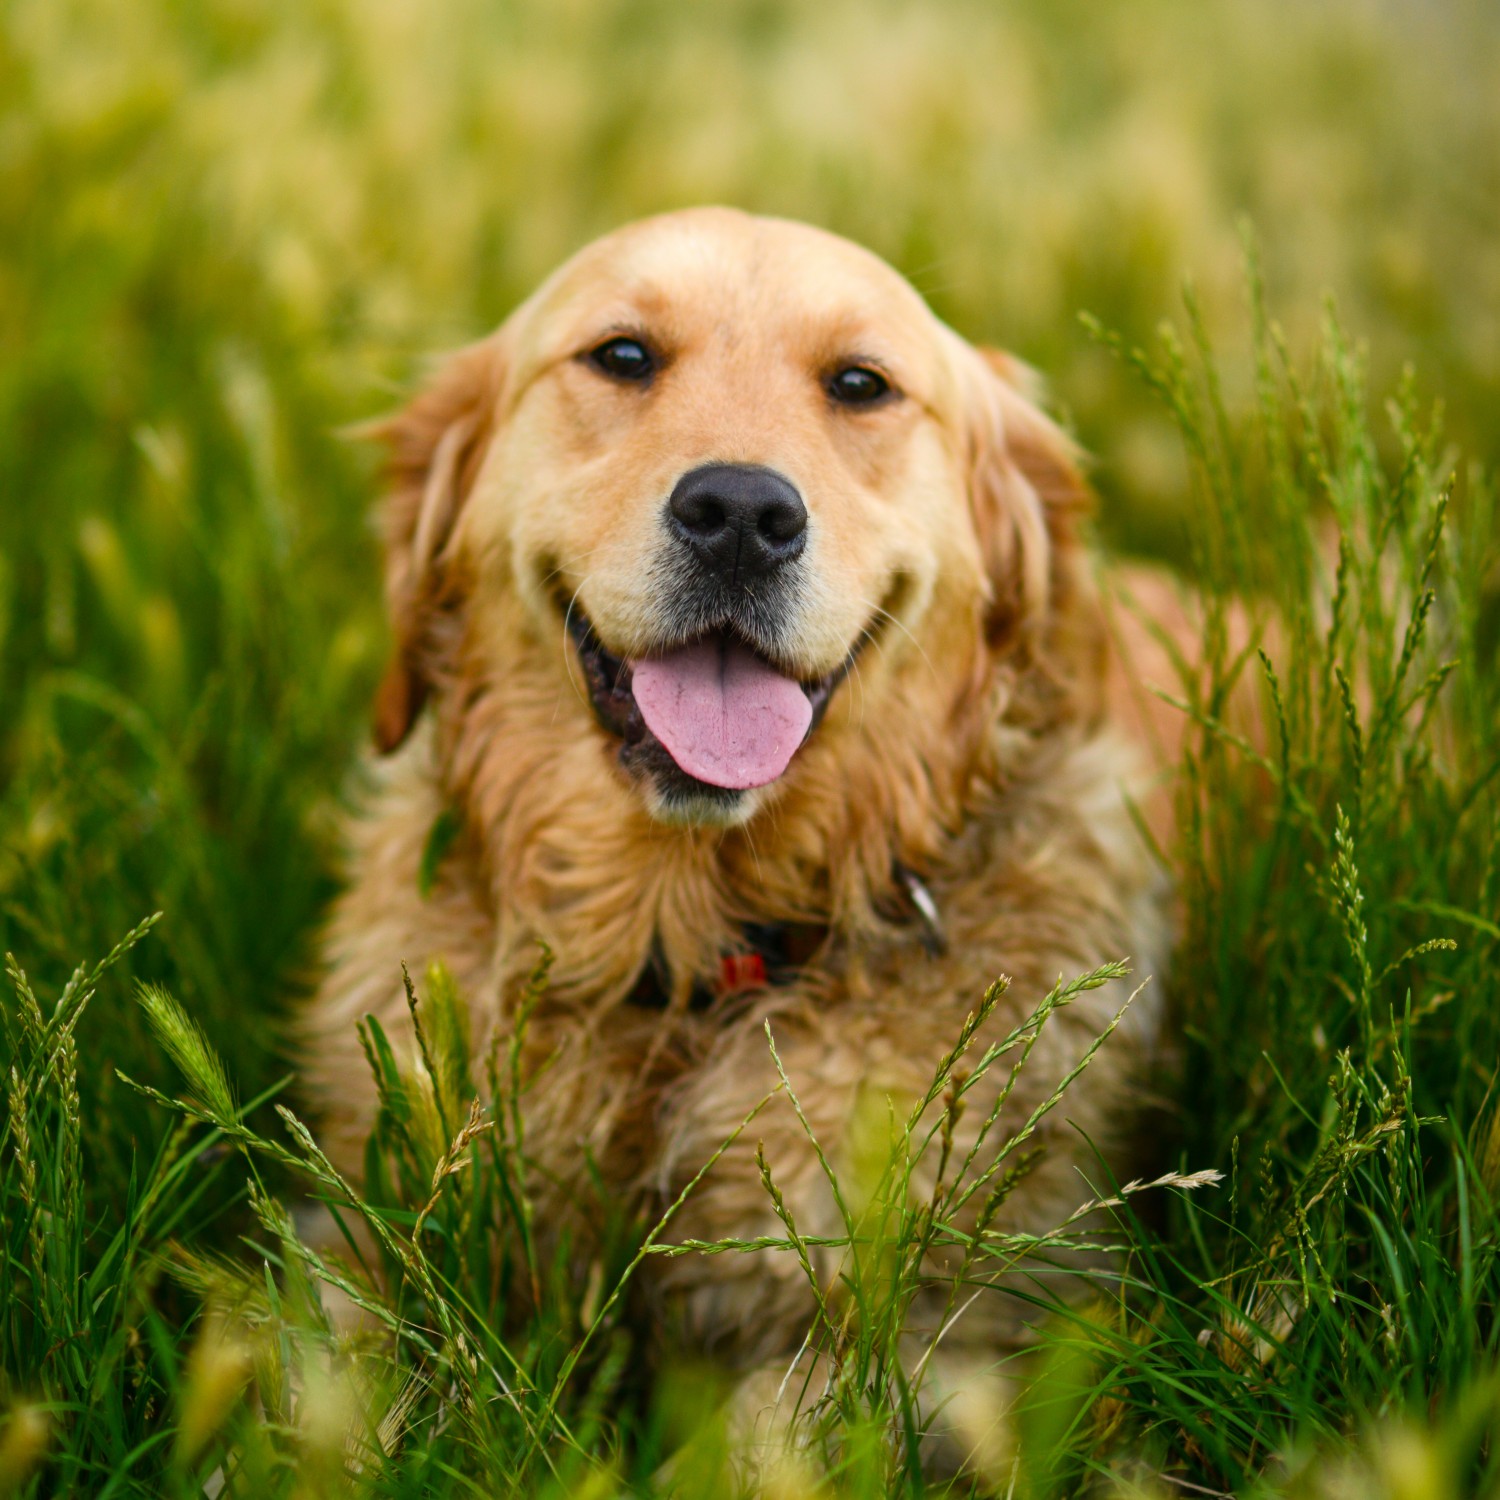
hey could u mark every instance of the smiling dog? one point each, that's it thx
(765, 680)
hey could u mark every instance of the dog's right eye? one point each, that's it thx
(623, 359)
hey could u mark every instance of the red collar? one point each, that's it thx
(775, 953)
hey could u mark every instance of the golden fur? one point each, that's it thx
(982, 739)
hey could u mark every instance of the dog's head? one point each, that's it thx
(713, 470)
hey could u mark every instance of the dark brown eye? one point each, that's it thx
(623, 359)
(858, 386)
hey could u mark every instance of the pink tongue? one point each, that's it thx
(724, 715)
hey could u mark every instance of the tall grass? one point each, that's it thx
(1337, 983)
(1320, 1323)
(227, 230)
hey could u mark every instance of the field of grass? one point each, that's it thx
(230, 228)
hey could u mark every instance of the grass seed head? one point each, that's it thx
(218, 1370)
(24, 1441)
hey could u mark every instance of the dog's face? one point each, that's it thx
(722, 463)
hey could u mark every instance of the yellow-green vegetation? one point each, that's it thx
(228, 228)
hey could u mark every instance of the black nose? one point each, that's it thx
(741, 520)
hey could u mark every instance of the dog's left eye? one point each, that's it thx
(858, 385)
(623, 359)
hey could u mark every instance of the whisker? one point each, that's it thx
(579, 692)
(885, 614)
(754, 851)
(863, 696)
(569, 562)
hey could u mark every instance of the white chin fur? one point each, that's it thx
(686, 810)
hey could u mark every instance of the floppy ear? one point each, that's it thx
(434, 448)
(1029, 501)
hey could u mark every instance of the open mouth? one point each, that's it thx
(715, 712)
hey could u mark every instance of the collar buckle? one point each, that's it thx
(934, 939)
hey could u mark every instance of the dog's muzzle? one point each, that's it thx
(713, 711)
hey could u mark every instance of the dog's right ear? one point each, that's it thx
(434, 447)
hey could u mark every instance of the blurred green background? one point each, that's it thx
(230, 227)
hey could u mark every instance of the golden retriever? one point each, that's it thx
(742, 622)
